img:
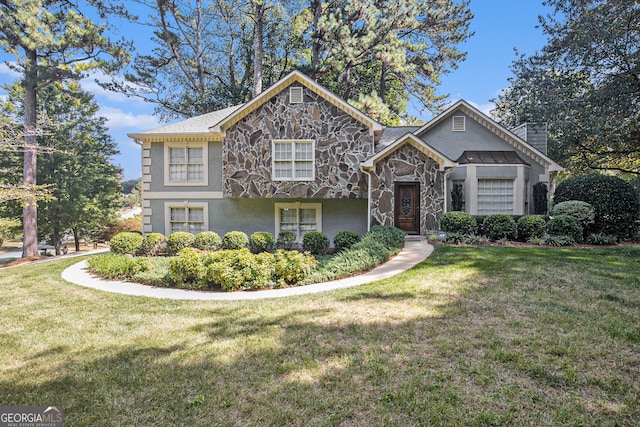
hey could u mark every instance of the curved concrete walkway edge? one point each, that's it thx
(414, 252)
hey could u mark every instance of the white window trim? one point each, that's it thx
(293, 159)
(185, 204)
(298, 205)
(205, 156)
(296, 95)
(455, 127)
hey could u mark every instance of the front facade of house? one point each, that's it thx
(298, 158)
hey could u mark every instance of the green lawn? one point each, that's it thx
(473, 336)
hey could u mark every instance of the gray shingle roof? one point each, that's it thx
(390, 134)
(200, 124)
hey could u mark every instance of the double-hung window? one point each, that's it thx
(299, 218)
(186, 164)
(293, 160)
(192, 218)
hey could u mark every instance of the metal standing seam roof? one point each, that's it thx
(491, 158)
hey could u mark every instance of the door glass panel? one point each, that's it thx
(406, 202)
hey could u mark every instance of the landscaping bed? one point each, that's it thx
(236, 262)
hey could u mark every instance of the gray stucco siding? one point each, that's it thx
(251, 215)
(213, 168)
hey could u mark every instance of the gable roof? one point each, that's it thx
(292, 77)
(409, 138)
(494, 127)
(391, 133)
(202, 125)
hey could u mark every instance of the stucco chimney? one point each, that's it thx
(533, 133)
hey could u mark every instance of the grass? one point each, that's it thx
(472, 336)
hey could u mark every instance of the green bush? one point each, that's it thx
(601, 239)
(8, 228)
(188, 267)
(540, 201)
(153, 244)
(261, 241)
(458, 222)
(292, 266)
(315, 242)
(126, 242)
(582, 211)
(113, 266)
(207, 241)
(345, 239)
(557, 241)
(239, 269)
(391, 237)
(531, 227)
(565, 225)
(614, 201)
(499, 226)
(235, 240)
(178, 241)
(286, 240)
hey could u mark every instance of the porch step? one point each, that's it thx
(414, 238)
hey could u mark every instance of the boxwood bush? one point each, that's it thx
(614, 201)
(458, 222)
(261, 241)
(286, 240)
(207, 241)
(499, 226)
(565, 225)
(315, 242)
(582, 211)
(178, 241)
(153, 244)
(235, 240)
(126, 242)
(345, 239)
(531, 227)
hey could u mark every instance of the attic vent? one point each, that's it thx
(458, 123)
(295, 95)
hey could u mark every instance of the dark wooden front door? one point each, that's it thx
(407, 207)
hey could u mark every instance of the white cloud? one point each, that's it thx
(7, 72)
(91, 84)
(485, 108)
(119, 119)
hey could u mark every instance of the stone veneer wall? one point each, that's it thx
(407, 164)
(341, 144)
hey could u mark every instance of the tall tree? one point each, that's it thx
(53, 40)
(585, 83)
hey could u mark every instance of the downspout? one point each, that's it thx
(368, 197)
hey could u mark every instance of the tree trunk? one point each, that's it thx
(316, 7)
(258, 52)
(56, 240)
(76, 239)
(29, 211)
(383, 81)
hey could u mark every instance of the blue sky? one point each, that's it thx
(499, 26)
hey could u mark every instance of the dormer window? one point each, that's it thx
(295, 95)
(458, 124)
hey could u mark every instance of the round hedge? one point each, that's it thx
(565, 225)
(126, 242)
(458, 222)
(614, 201)
(261, 241)
(207, 241)
(153, 244)
(315, 242)
(345, 239)
(531, 227)
(178, 241)
(235, 240)
(499, 226)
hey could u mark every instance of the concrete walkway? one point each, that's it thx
(415, 251)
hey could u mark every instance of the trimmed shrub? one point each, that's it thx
(207, 241)
(614, 201)
(582, 211)
(458, 222)
(112, 266)
(292, 266)
(261, 241)
(238, 269)
(499, 226)
(540, 201)
(178, 241)
(286, 240)
(153, 244)
(188, 267)
(315, 242)
(235, 240)
(530, 227)
(345, 239)
(565, 225)
(126, 242)
(391, 237)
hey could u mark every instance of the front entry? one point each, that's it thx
(407, 207)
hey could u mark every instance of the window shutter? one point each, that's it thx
(458, 124)
(295, 95)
